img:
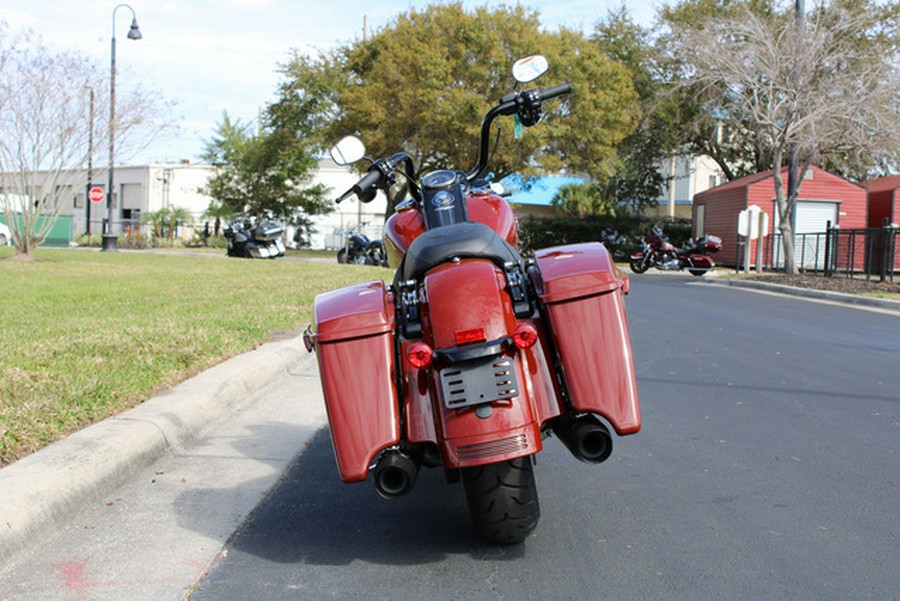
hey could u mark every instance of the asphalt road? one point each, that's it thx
(768, 467)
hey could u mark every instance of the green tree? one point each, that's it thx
(166, 220)
(582, 200)
(424, 83)
(637, 180)
(217, 212)
(267, 174)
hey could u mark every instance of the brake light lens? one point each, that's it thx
(525, 336)
(420, 355)
(470, 336)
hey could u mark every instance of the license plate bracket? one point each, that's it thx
(471, 383)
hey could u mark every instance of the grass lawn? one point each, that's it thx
(85, 335)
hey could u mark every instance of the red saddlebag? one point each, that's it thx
(355, 349)
(583, 293)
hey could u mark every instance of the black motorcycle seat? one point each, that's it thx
(460, 240)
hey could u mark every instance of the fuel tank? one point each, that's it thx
(484, 207)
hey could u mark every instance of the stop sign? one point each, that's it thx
(96, 194)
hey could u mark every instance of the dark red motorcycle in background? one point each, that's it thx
(658, 252)
(473, 355)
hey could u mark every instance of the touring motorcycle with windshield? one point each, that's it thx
(251, 240)
(473, 355)
(657, 251)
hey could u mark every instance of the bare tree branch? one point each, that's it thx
(44, 130)
(833, 98)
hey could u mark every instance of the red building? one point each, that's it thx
(823, 198)
(884, 207)
(884, 200)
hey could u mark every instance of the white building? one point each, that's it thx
(349, 213)
(140, 190)
(144, 189)
(688, 175)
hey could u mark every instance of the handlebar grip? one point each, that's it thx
(362, 187)
(369, 180)
(555, 91)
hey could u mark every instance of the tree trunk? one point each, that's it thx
(785, 215)
(787, 244)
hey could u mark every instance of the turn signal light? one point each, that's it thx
(420, 355)
(525, 335)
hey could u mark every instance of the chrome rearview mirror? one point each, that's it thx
(530, 68)
(348, 150)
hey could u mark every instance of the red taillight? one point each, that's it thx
(419, 355)
(470, 336)
(525, 335)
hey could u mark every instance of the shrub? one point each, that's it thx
(620, 234)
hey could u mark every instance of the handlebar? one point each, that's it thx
(526, 104)
(555, 91)
(364, 187)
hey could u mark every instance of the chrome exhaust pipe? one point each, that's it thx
(586, 437)
(395, 474)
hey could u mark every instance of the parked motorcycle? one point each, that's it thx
(658, 252)
(252, 240)
(615, 243)
(472, 356)
(359, 249)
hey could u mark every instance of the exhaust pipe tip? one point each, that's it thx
(395, 474)
(586, 438)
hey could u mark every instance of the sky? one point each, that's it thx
(213, 56)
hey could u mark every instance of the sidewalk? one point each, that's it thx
(139, 505)
(870, 302)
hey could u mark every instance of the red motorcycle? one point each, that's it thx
(473, 355)
(658, 252)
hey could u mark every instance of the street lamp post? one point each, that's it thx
(109, 238)
(90, 164)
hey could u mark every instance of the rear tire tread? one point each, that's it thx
(503, 502)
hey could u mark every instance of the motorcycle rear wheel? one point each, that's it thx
(342, 256)
(503, 500)
(639, 265)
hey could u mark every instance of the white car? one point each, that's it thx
(5, 236)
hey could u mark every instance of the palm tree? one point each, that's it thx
(218, 211)
(166, 220)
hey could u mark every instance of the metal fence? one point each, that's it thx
(868, 252)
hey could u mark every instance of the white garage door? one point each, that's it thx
(811, 217)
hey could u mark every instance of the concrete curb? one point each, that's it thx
(837, 297)
(38, 492)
